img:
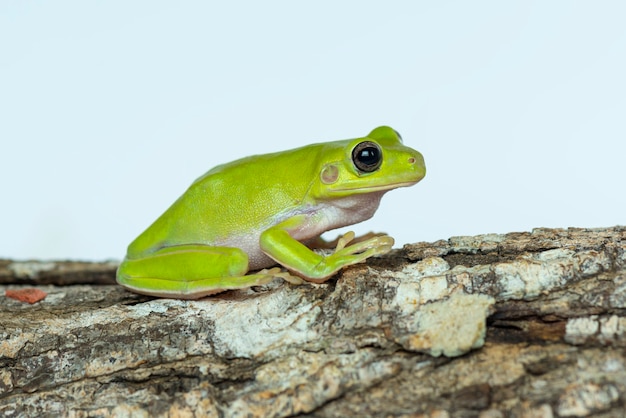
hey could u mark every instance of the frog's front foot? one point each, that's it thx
(348, 252)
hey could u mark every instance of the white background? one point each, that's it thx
(109, 110)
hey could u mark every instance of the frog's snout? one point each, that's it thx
(416, 162)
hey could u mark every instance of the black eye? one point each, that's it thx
(367, 156)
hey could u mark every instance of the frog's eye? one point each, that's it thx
(398, 134)
(367, 156)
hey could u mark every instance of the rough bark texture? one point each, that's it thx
(522, 324)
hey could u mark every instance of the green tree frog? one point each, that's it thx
(271, 209)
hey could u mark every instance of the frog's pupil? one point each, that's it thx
(369, 156)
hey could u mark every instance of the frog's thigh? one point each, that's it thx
(190, 272)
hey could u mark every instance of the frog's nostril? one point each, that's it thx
(411, 160)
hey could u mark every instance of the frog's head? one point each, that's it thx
(376, 163)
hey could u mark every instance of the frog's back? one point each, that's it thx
(242, 197)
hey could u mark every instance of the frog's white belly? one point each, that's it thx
(321, 218)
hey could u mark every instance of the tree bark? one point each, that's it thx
(522, 325)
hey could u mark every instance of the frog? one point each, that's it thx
(245, 223)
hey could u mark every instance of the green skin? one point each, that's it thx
(270, 209)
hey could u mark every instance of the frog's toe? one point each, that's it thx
(285, 275)
(379, 244)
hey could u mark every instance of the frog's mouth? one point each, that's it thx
(373, 189)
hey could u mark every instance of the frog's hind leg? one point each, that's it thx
(190, 272)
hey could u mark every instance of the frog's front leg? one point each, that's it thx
(279, 245)
(190, 272)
